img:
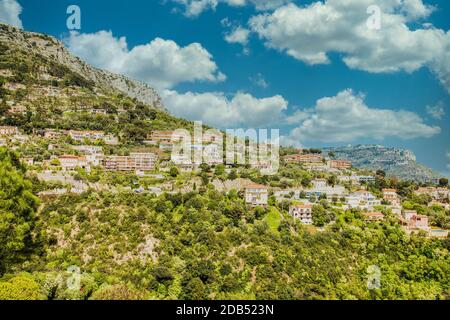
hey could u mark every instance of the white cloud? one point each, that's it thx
(214, 108)
(346, 118)
(194, 8)
(436, 112)
(10, 11)
(259, 81)
(160, 63)
(309, 33)
(448, 155)
(238, 35)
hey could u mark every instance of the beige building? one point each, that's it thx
(133, 162)
(70, 162)
(391, 196)
(340, 164)
(257, 195)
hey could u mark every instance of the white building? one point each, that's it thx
(363, 199)
(257, 195)
(302, 213)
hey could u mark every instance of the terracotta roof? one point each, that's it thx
(256, 186)
(303, 206)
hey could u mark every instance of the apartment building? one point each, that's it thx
(257, 195)
(391, 196)
(340, 164)
(303, 158)
(133, 162)
(302, 213)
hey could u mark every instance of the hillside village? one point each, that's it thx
(74, 156)
(105, 192)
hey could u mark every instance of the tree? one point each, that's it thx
(233, 175)
(22, 287)
(17, 210)
(195, 290)
(118, 292)
(174, 172)
(443, 182)
(381, 173)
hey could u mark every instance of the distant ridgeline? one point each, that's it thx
(396, 162)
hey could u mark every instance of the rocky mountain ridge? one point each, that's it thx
(51, 48)
(396, 162)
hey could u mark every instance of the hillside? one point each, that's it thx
(395, 162)
(55, 51)
(148, 228)
(42, 86)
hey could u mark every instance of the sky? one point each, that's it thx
(326, 73)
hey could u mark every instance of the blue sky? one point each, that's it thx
(272, 74)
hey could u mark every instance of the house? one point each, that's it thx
(302, 213)
(94, 155)
(319, 183)
(52, 134)
(133, 162)
(340, 164)
(363, 179)
(442, 193)
(257, 195)
(391, 196)
(421, 222)
(363, 199)
(70, 162)
(373, 216)
(6, 131)
(413, 221)
(90, 135)
(303, 158)
(165, 136)
(213, 154)
(409, 214)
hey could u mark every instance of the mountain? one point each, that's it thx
(396, 162)
(51, 48)
(42, 86)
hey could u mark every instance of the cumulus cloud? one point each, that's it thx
(238, 35)
(160, 63)
(10, 11)
(259, 81)
(346, 117)
(194, 8)
(436, 112)
(216, 109)
(310, 33)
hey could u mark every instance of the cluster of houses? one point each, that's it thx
(135, 162)
(257, 195)
(316, 162)
(82, 135)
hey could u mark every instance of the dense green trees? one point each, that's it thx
(17, 210)
(209, 245)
